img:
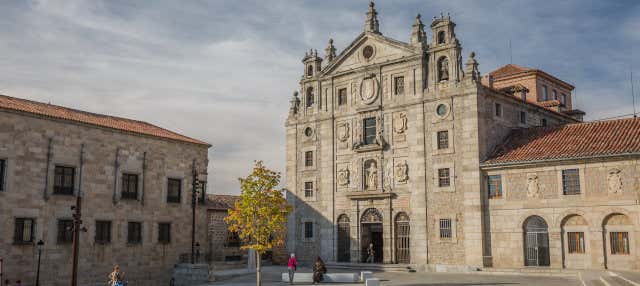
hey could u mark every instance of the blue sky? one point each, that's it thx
(224, 71)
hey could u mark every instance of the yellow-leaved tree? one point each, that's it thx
(260, 215)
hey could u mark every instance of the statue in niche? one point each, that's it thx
(343, 177)
(533, 188)
(443, 69)
(614, 181)
(371, 175)
(402, 174)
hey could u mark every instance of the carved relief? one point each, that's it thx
(400, 123)
(385, 87)
(343, 177)
(402, 172)
(371, 175)
(388, 173)
(355, 182)
(369, 89)
(343, 131)
(614, 181)
(533, 187)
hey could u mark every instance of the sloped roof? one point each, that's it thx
(572, 141)
(221, 202)
(509, 69)
(118, 123)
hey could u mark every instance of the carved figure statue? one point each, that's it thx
(402, 174)
(533, 188)
(444, 69)
(614, 181)
(343, 177)
(372, 176)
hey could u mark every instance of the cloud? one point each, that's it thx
(224, 71)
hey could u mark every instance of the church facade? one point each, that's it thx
(399, 145)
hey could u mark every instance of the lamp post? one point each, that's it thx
(40, 246)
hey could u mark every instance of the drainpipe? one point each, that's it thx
(45, 195)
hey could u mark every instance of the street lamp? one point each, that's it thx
(40, 246)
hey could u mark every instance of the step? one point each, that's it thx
(305, 277)
(373, 267)
(614, 281)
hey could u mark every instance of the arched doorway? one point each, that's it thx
(536, 242)
(344, 239)
(575, 238)
(371, 222)
(403, 254)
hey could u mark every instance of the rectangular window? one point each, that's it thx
(164, 233)
(342, 96)
(445, 228)
(233, 239)
(369, 130)
(24, 228)
(398, 85)
(63, 180)
(134, 232)
(495, 186)
(65, 231)
(498, 110)
(523, 117)
(174, 190)
(555, 94)
(308, 189)
(130, 186)
(2, 173)
(308, 229)
(545, 97)
(563, 99)
(571, 182)
(575, 242)
(308, 159)
(619, 242)
(443, 139)
(443, 177)
(103, 232)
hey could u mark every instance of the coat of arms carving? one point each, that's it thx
(369, 90)
(402, 172)
(400, 123)
(343, 131)
(533, 188)
(343, 177)
(614, 181)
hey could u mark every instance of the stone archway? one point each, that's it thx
(575, 235)
(403, 252)
(344, 239)
(371, 225)
(617, 238)
(536, 242)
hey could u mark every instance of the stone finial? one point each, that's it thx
(330, 51)
(471, 67)
(371, 24)
(417, 32)
(295, 104)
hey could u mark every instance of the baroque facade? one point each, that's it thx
(135, 180)
(391, 143)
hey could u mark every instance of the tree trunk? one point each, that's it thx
(258, 269)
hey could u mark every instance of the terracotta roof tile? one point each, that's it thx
(508, 70)
(579, 140)
(118, 123)
(221, 202)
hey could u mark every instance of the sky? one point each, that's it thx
(224, 71)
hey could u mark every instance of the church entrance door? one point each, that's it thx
(372, 233)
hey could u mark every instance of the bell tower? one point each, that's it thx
(444, 52)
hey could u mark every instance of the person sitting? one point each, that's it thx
(116, 278)
(319, 269)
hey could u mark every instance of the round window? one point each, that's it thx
(308, 131)
(442, 110)
(367, 52)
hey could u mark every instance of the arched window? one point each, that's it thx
(344, 239)
(441, 37)
(536, 241)
(310, 70)
(310, 97)
(403, 254)
(443, 69)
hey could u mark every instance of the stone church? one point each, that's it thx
(404, 145)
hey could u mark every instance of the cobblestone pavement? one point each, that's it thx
(271, 276)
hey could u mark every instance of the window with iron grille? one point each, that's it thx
(233, 239)
(130, 186)
(2, 173)
(575, 241)
(103, 232)
(443, 177)
(63, 180)
(369, 130)
(308, 159)
(134, 232)
(174, 190)
(523, 117)
(498, 109)
(164, 233)
(619, 242)
(398, 85)
(342, 96)
(308, 229)
(445, 228)
(23, 232)
(308, 189)
(443, 139)
(65, 231)
(571, 182)
(495, 186)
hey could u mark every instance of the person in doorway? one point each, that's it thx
(116, 278)
(292, 265)
(370, 253)
(319, 269)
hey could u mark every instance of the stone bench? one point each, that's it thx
(302, 277)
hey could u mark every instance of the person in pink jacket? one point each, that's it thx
(293, 266)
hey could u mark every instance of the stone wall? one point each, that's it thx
(24, 143)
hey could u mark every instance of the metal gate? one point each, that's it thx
(344, 239)
(536, 239)
(403, 254)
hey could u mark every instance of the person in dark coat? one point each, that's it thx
(319, 269)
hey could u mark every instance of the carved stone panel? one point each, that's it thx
(614, 181)
(400, 126)
(369, 89)
(370, 175)
(401, 172)
(343, 176)
(533, 187)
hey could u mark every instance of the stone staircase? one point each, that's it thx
(358, 267)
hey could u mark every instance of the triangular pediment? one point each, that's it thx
(382, 49)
